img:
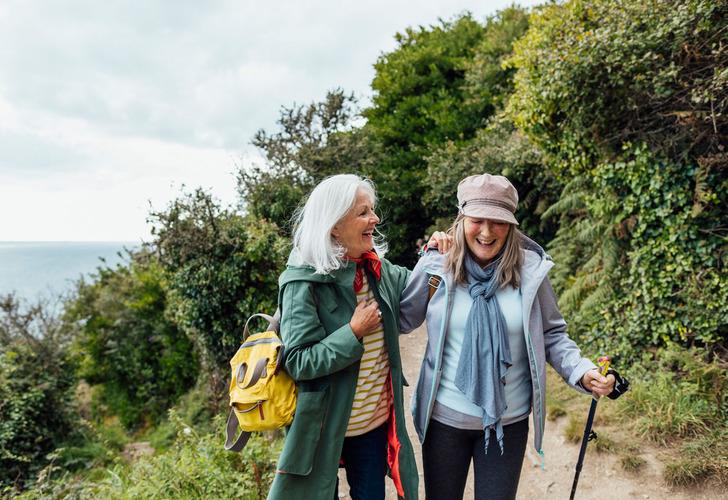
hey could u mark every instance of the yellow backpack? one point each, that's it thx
(262, 394)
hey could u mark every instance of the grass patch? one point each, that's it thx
(684, 397)
(196, 466)
(705, 458)
(631, 462)
(574, 433)
(683, 403)
(604, 443)
(678, 399)
(555, 411)
(574, 430)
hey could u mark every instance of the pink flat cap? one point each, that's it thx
(488, 196)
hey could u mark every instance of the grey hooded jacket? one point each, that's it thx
(543, 327)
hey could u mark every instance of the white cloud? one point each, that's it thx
(105, 105)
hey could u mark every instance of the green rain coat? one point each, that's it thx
(322, 356)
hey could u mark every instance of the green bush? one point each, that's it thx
(637, 266)
(196, 466)
(594, 74)
(37, 379)
(141, 360)
(602, 88)
(222, 268)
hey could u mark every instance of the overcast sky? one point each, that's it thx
(108, 106)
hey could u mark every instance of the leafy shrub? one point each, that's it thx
(193, 408)
(36, 390)
(638, 267)
(196, 466)
(594, 74)
(628, 102)
(141, 359)
(222, 268)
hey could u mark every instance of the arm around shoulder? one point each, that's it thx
(415, 297)
(400, 275)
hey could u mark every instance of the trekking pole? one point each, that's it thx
(589, 434)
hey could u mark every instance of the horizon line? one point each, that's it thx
(73, 241)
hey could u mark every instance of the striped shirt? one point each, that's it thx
(371, 401)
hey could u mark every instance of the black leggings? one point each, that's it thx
(446, 455)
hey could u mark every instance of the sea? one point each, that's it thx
(43, 271)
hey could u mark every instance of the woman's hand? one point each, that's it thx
(440, 240)
(598, 384)
(366, 318)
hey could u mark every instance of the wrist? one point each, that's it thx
(354, 330)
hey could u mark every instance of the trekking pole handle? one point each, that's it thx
(603, 362)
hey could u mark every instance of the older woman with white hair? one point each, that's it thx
(339, 302)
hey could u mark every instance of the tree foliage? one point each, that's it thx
(434, 92)
(222, 268)
(419, 102)
(37, 379)
(628, 102)
(311, 143)
(142, 361)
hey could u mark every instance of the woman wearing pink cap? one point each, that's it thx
(492, 324)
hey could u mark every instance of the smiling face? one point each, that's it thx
(485, 238)
(355, 231)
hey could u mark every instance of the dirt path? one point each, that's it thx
(601, 477)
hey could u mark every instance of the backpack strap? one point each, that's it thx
(233, 443)
(274, 324)
(258, 373)
(433, 282)
(269, 319)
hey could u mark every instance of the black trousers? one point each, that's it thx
(446, 456)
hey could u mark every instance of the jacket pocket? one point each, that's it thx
(304, 434)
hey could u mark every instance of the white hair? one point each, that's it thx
(327, 204)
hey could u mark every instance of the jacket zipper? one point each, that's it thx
(532, 365)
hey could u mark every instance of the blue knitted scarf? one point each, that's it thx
(485, 355)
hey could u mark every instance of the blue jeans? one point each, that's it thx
(365, 461)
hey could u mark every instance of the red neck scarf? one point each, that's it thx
(371, 260)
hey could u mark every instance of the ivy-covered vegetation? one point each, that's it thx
(608, 116)
(627, 101)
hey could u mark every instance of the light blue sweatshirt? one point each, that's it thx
(518, 378)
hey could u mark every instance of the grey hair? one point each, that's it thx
(325, 206)
(510, 264)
